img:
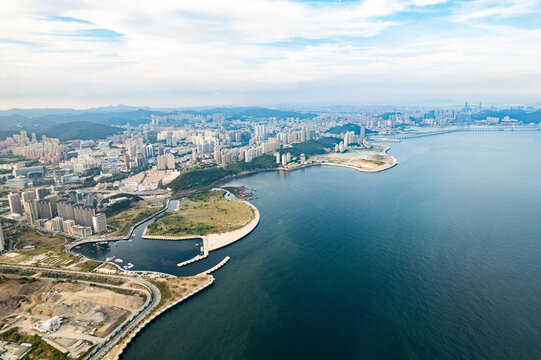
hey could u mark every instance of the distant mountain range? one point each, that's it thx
(54, 121)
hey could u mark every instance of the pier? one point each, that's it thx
(216, 267)
(192, 260)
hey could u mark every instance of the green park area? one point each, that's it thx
(201, 214)
(37, 248)
(123, 215)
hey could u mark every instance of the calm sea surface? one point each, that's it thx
(437, 258)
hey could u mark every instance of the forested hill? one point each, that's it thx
(81, 130)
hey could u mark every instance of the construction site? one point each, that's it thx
(70, 316)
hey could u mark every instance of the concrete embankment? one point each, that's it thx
(160, 312)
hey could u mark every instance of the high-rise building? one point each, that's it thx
(83, 214)
(31, 210)
(57, 224)
(15, 204)
(166, 162)
(127, 161)
(52, 200)
(99, 223)
(139, 160)
(65, 209)
(348, 138)
(28, 196)
(41, 193)
(44, 209)
(67, 225)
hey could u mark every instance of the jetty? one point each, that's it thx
(216, 267)
(194, 259)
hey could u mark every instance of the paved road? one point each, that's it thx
(150, 304)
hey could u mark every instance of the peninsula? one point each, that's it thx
(215, 216)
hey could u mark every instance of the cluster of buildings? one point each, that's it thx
(154, 153)
(70, 212)
(350, 139)
(46, 150)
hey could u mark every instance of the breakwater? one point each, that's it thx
(160, 312)
(216, 267)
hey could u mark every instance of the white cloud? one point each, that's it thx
(184, 52)
(478, 9)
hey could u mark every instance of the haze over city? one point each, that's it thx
(81, 54)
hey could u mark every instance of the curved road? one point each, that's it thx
(148, 307)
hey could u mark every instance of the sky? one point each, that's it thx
(175, 53)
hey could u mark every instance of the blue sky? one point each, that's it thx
(83, 53)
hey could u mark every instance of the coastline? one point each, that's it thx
(385, 151)
(225, 180)
(213, 242)
(119, 238)
(120, 347)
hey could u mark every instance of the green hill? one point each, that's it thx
(519, 114)
(348, 127)
(81, 130)
(199, 178)
(312, 147)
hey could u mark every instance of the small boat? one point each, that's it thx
(119, 261)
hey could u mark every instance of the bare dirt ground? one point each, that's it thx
(19, 294)
(88, 312)
(371, 160)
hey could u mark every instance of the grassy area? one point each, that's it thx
(122, 222)
(20, 272)
(81, 277)
(166, 294)
(175, 288)
(47, 241)
(199, 178)
(12, 159)
(88, 265)
(201, 214)
(47, 251)
(118, 207)
(40, 349)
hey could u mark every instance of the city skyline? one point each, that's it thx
(168, 54)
